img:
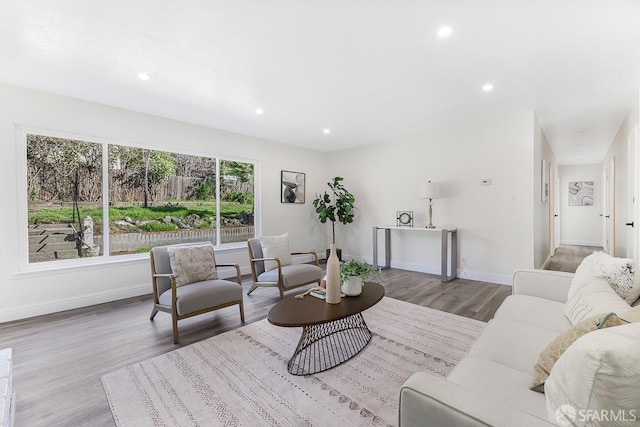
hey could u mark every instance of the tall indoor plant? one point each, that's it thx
(335, 205)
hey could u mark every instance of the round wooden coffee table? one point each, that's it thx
(331, 333)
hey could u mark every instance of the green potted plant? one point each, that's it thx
(335, 205)
(353, 274)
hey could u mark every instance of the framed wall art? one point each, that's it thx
(404, 218)
(544, 188)
(292, 187)
(581, 193)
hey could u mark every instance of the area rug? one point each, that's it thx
(240, 378)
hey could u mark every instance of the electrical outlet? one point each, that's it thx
(463, 260)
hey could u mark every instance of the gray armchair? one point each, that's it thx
(284, 277)
(187, 300)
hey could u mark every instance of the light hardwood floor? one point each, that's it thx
(59, 358)
(568, 257)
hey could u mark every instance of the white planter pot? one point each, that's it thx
(352, 286)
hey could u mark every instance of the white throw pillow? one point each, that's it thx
(587, 269)
(193, 263)
(597, 377)
(632, 315)
(620, 273)
(596, 297)
(275, 247)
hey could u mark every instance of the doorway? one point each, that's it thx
(632, 214)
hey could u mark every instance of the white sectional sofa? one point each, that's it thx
(490, 386)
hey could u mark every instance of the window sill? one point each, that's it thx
(63, 267)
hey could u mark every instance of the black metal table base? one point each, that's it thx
(327, 345)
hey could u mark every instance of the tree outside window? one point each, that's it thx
(154, 198)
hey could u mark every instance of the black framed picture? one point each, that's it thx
(404, 218)
(292, 187)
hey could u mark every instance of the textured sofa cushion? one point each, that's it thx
(561, 343)
(194, 263)
(597, 297)
(599, 372)
(275, 247)
(620, 274)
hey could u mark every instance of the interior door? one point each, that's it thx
(611, 208)
(556, 210)
(632, 215)
(605, 210)
(552, 210)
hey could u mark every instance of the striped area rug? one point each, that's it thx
(240, 378)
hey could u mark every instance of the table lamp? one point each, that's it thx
(430, 190)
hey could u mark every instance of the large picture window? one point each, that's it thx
(88, 199)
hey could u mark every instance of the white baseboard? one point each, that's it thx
(545, 263)
(435, 269)
(581, 243)
(63, 304)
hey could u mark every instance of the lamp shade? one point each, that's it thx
(430, 190)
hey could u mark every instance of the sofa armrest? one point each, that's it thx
(430, 401)
(553, 285)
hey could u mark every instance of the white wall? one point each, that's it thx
(581, 225)
(618, 153)
(541, 213)
(495, 222)
(31, 293)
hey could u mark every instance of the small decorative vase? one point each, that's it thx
(352, 286)
(333, 277)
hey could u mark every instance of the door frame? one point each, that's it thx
(633, 157)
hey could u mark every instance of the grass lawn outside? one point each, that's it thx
(206, 211)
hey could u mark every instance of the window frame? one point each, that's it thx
(22, 203)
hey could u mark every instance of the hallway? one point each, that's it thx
(568, 257)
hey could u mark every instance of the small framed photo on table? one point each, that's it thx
(292, 187)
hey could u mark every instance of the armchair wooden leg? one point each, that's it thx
(281, 293)
(241, 311)
(175, 329)
(153, 313)
(253, 288)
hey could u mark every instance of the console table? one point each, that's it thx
(448, 257)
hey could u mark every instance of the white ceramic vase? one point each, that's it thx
(352, 286)
(333, 277)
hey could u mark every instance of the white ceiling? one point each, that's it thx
(370, 70)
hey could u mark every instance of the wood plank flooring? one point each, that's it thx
(59, 358)
(568, 257)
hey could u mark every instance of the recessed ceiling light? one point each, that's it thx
(444, 32)
(326, 131)
(259, 111)
(487, 87)
(143, 76)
